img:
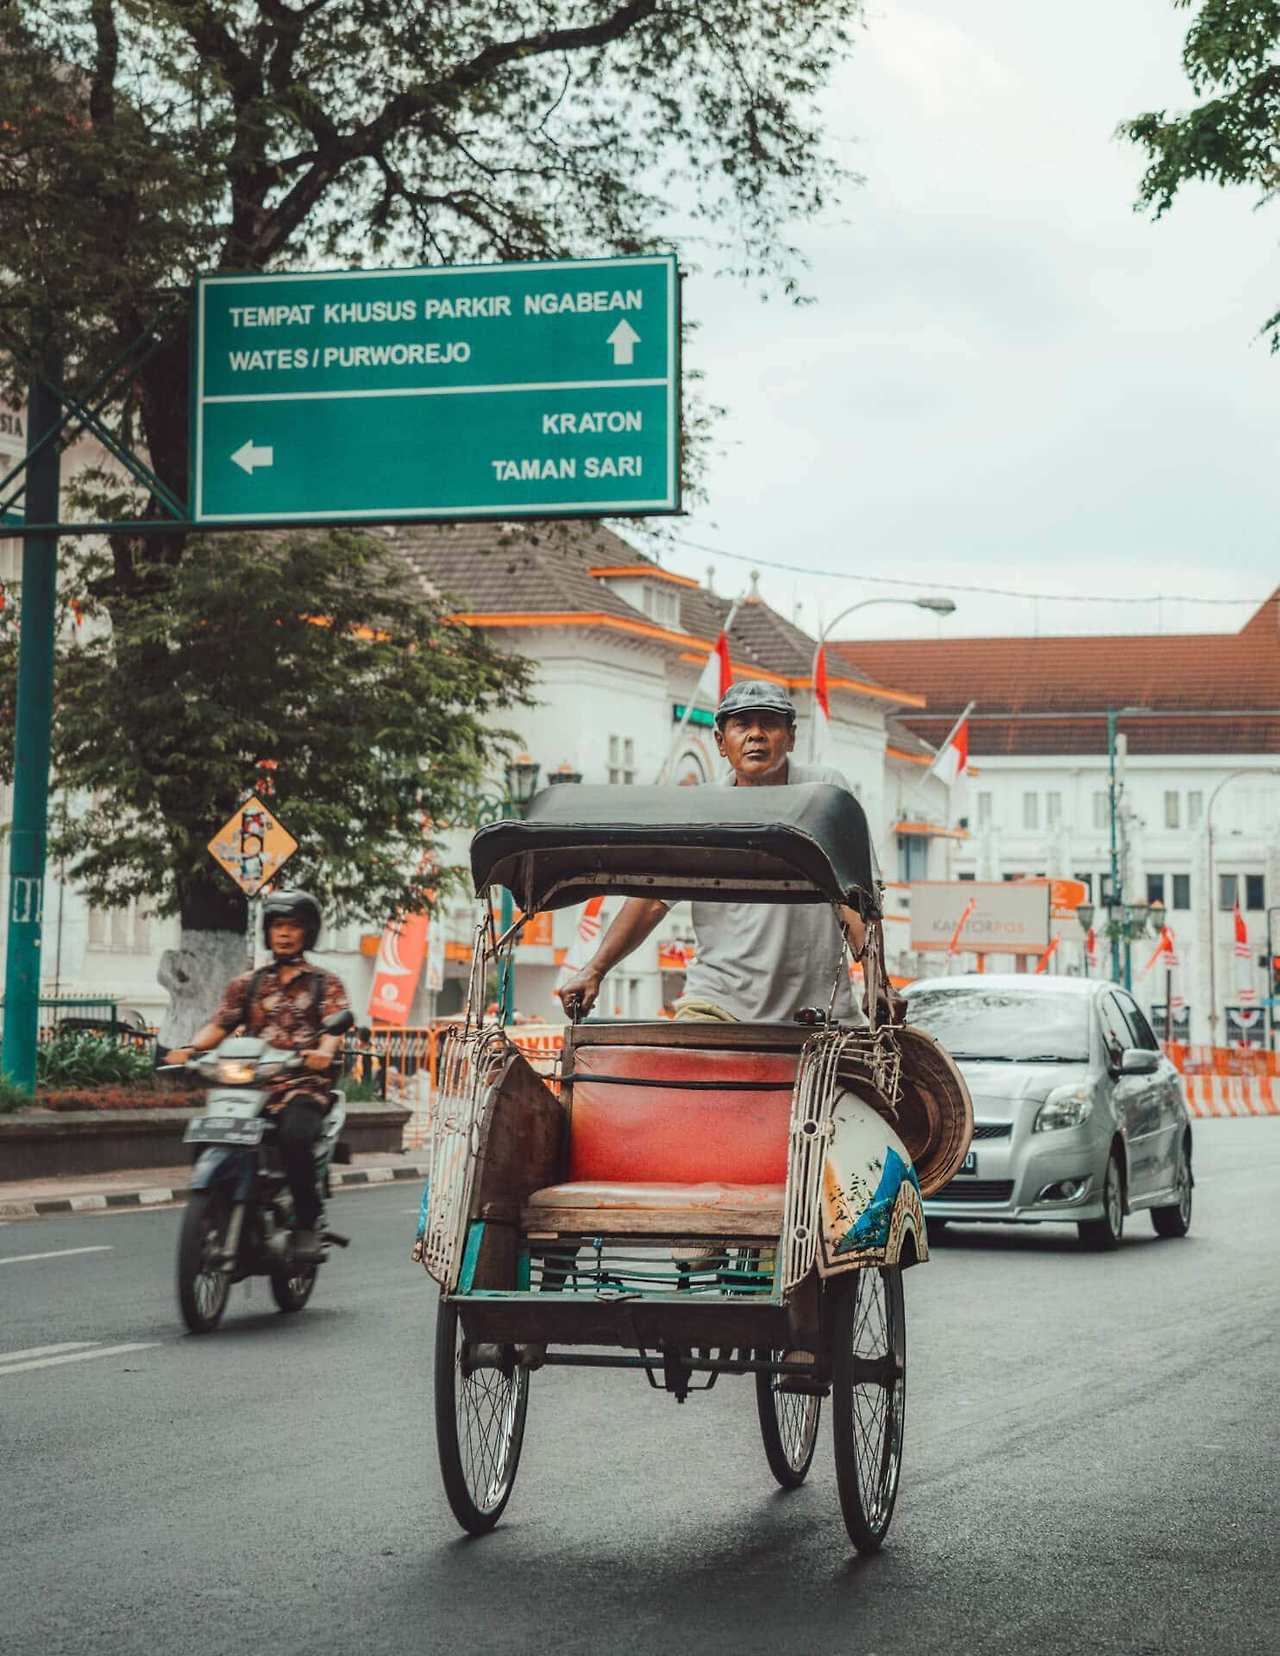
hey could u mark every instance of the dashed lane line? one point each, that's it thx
(58, 1253)
(45, 1351)
(9, 1363)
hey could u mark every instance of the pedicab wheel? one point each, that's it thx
(868, 1400)
(203, 1286)
(479, 1428)
(788, 1425)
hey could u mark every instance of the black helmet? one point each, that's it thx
(293, 905)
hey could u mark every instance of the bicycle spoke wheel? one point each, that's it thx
(479, 1427)
(789, 1427)
(868, 1401)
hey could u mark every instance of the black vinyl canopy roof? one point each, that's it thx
(801, 844)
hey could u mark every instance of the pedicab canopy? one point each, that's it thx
(801, 844)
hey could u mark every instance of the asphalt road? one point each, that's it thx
(1091, 1462)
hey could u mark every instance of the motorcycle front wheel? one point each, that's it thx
(203, 1285)
(291, 1287)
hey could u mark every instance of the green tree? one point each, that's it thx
(1232, 136)
(145, 141)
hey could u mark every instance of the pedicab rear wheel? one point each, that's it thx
(788, 1425)
(868, 1400)
(479, 1427)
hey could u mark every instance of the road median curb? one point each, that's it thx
(357, 1178)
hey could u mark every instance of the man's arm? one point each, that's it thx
(635, 921)
(204, 1040)
(855, 929)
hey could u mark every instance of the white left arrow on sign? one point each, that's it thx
(248, 455)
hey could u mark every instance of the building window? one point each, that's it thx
(1104, 890)
(1195, 808)
(1226, 892)
(913, 857)
(1155, 889)
(1101, 815)
(1053, 809)
(1171, 810)
(1181, 891)
(1086, 880)
(966, 874)
(1009, 878)
(661, 605)
(1030, 810)
(622, 759)
(1255, 891)
(125, 930)
(984, 810)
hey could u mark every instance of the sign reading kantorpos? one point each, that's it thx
(969, 916)
(252, 846)
(540, 389)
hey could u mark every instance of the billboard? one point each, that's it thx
(966, 915)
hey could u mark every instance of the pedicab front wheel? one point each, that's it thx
(788, 1426)
(480, 1415)
(868, 1400)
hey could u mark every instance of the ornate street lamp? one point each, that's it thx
(522, 784)
(522, 781)
(564, 772)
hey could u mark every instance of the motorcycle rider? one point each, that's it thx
(285, 1004)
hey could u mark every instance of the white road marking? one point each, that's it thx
(75, 1357)
(44, 1351)
(58, 1253)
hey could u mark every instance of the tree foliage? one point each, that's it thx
(145, 141)
(310, 652)
(1232, 60)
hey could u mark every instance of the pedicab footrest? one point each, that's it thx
(657, 1209)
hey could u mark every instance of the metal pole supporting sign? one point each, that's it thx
(33, 738)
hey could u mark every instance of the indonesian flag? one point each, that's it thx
(1246, 990)
(1091, 947)
(591, 924)
(953, 758)
(821, 694)
(1242, 932)
(717, 674)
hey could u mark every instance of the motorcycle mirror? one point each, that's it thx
(338, 1023)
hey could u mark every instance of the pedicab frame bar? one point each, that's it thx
(546, 1228)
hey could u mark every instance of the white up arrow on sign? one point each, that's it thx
(624, 340)
(247, 456)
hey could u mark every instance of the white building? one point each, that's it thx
(1200, 719)
(619, 645)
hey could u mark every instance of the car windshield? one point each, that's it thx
(1008, 1025)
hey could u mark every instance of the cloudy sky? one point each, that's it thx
(1009, 379)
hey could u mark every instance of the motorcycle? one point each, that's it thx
(239, 1214)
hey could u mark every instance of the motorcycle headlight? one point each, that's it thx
(1064, 1107)
(233, 1072)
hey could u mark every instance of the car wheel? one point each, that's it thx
(1175, 1220)
(1105, 1233)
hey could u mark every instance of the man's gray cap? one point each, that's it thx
(755, 696)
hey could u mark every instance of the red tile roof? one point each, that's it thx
(1202, 692)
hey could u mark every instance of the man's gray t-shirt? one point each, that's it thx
(762, 962)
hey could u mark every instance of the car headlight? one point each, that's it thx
(1064, 1107)
(233, 1073)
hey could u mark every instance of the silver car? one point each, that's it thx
(1078, 1114)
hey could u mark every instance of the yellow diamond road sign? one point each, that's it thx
(252, 846)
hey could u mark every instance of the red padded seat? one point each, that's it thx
(672, 1135)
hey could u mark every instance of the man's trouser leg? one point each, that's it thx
(301, 1123)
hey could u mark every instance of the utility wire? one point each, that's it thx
(957, 586)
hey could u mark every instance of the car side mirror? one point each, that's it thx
(338, 1023)
(1139, 1061)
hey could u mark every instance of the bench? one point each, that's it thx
(671, 1140)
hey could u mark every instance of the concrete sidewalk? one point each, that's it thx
(163, 1187)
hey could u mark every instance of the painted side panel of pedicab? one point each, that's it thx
(870, 1200)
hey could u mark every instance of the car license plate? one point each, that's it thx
(224, 1130)
(970, 1163)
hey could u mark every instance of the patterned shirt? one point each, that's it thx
(285, 1015)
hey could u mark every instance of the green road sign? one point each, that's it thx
(460, 391)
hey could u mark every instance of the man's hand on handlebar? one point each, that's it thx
(179, 1056)
(581, 992)
(317, 1060)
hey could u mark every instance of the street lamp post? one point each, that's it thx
(939, 606)
(522, 783)
(1262, 770)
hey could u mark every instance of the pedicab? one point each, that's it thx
(686, 1200)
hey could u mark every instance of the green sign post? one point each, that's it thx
(537, 390)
